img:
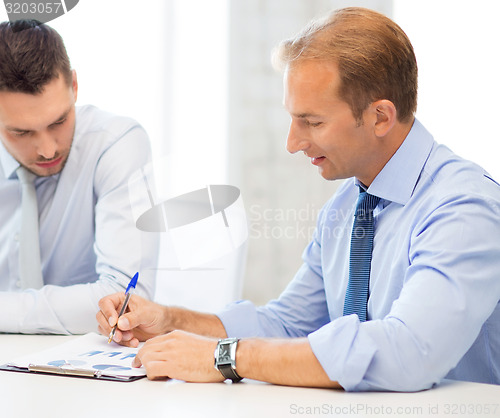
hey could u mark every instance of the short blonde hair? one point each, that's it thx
(374, 56)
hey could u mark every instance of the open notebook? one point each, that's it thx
(87, 356)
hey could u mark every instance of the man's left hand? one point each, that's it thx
(179, 355)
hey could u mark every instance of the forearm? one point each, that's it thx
(196, 322)
(51, 310)
(288, 362)
(59, 309)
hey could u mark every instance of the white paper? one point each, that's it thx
(90, 352)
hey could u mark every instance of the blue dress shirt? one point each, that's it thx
(89, 244)
(433, 308)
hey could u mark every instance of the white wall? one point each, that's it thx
(456, 43)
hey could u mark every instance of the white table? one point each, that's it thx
(40, 396)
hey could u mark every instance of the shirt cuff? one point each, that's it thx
(240, 319)
(343, 351)
(11, 312)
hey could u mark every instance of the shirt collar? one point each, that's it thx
(397, 180)
(8, 162)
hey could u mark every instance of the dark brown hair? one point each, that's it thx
(374, 56)
(31, 55)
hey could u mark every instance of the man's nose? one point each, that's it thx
(46, 145)
(296, 141)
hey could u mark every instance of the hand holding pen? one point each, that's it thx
(128, 293)
(143, 319)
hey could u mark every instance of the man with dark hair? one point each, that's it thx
(67, 233)
(25, 66)
(400, 285)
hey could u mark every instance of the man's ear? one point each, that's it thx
(74, 84)
(386, 116)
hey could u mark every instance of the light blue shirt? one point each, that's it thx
(89, 244)
(433, 308)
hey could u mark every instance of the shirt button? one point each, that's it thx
(19, 284)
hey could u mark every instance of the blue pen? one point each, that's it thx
(128, 293)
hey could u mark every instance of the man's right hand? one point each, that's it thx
(143, 320)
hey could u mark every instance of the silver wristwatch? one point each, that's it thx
(225, 358)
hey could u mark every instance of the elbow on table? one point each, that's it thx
(399, 380)
(406, 367)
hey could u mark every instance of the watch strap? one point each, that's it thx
(229, 373)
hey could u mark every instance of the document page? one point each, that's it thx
(90, 352)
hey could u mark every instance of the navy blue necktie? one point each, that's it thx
(356, 297)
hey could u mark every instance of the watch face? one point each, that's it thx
(224, 354)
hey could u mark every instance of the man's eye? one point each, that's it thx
(313, 124)
(59, 122)
(21, 133)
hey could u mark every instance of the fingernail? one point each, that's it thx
(111, 321)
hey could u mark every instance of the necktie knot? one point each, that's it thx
(25, 176)
(366, 203)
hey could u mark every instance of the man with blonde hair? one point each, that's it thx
(399, 293)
